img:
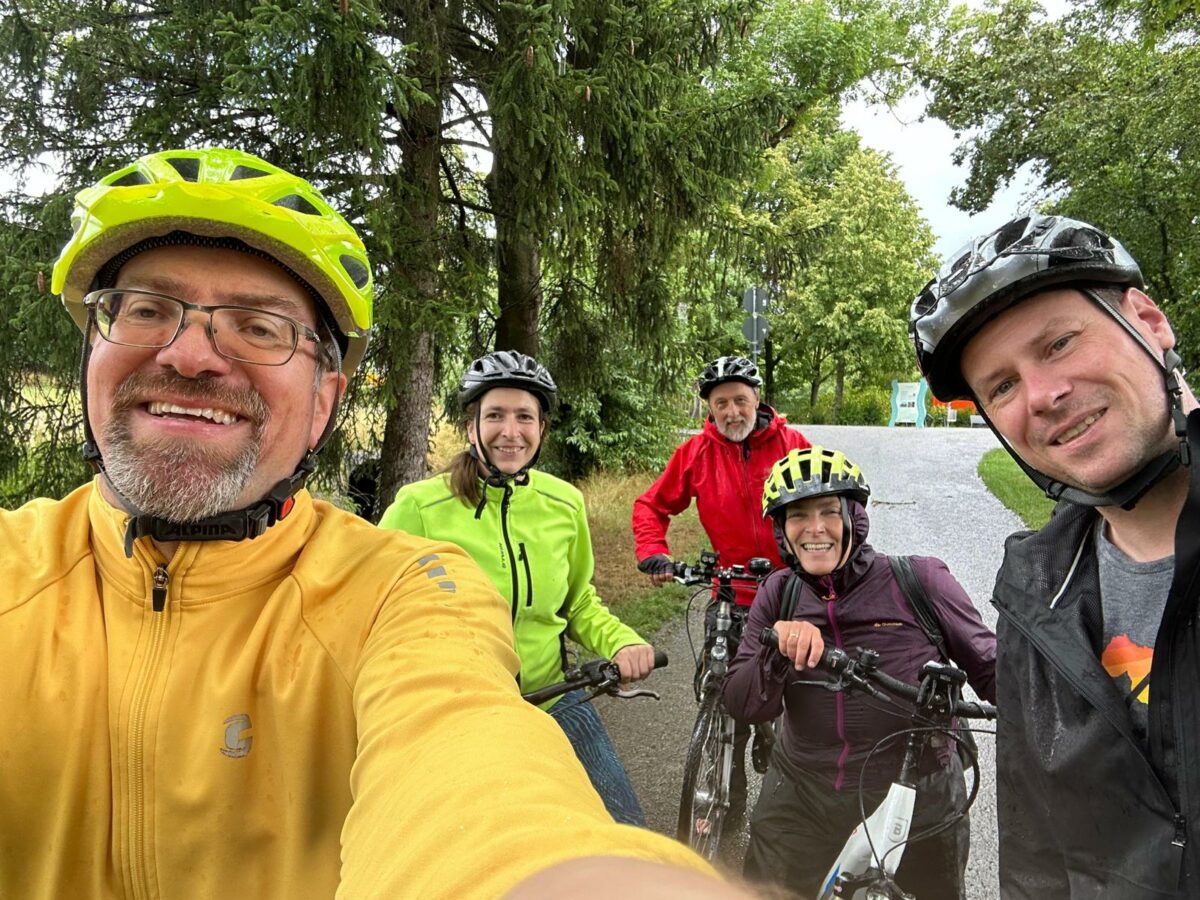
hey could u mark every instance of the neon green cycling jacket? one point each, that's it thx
(534, 542)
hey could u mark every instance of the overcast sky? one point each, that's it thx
(922, 151)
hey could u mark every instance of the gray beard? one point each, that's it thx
(173, 479)
(736, 433)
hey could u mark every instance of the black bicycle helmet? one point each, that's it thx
(507, 368)
(990, 274)
(728, 368)
(997, 271)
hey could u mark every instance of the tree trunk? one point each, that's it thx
(518, 233)
(518, 261)
(406, 429)
(519, 288)
(417, 191)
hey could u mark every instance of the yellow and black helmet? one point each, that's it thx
(812, 472)
(217, 195)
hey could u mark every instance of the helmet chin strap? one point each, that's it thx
(1126, 494)
(242, 524)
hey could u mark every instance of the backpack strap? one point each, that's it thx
(918, 602)
(791, 595)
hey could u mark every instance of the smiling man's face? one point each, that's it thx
(186, 433)
(1070, 390)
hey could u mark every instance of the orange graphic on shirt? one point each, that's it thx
(1123, 657)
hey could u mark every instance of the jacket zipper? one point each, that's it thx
(839, 698)
(140, 862)
(512, 558)
(528, 575)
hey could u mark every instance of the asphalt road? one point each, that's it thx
(926, 499)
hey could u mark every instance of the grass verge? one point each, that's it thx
(1013, 488)
(609, 498)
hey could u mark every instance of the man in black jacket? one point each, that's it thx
(1044, 324)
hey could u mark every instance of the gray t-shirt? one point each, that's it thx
(1133, 596)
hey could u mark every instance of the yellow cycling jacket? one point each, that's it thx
(329, 708)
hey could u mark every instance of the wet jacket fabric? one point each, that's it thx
(305, 716)
(725, 479)
(859, 605)
(533, 540)
(1085, 809)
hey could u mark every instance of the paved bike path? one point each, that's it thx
(926, 499)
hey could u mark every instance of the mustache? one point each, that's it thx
(140, 387)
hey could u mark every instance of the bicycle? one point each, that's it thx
(866, 867)
(707, 772)
(600, 676)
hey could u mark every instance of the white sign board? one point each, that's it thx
(906, 402)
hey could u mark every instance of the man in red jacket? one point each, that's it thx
(723, 469)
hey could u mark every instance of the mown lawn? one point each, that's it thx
(1013, 488)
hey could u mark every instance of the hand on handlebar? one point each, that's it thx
(659, 567)
(801, 642)
(635, 662)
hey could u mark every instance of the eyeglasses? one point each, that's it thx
(134, 318)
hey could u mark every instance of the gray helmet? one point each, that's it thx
(996, 271)
(507, 368)
(728, 368)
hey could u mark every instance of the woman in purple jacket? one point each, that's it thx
(848, 598)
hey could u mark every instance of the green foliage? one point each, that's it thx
(622, 135)
(866, 406)
(860, 406)
(1013, 488)
(844, 250)
(1101, 104)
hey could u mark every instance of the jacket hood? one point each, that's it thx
(842, 578)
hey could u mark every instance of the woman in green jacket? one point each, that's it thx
(528, 530)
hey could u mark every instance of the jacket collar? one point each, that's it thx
(213, 569)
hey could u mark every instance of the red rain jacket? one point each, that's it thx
(726, 480)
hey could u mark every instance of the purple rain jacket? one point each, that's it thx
(859, 605)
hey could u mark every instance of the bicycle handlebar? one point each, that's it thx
(708, 569)
(601, 674)
(862, 673)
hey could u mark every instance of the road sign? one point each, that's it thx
(754, 300)
(755, 329)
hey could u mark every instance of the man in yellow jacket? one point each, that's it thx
(215, 684)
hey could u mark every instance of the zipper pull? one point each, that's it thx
(159, 595)
(1180, 832)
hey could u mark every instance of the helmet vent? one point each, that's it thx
(188, 167)
(131, 179)
(296, 203)
(243, 172)
(356, 270)
(1010, 233)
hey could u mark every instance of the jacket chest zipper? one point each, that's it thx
(747, 491)
(839, 699)
(139, 859)
(512, 557)
(528, 574)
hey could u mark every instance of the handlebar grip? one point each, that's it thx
(660, 659)
(967, 709)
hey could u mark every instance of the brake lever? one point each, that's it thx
(635, 692)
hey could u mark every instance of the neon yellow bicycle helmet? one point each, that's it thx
(174, 196)
(812, 472)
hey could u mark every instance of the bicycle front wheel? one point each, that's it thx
(705, 800)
